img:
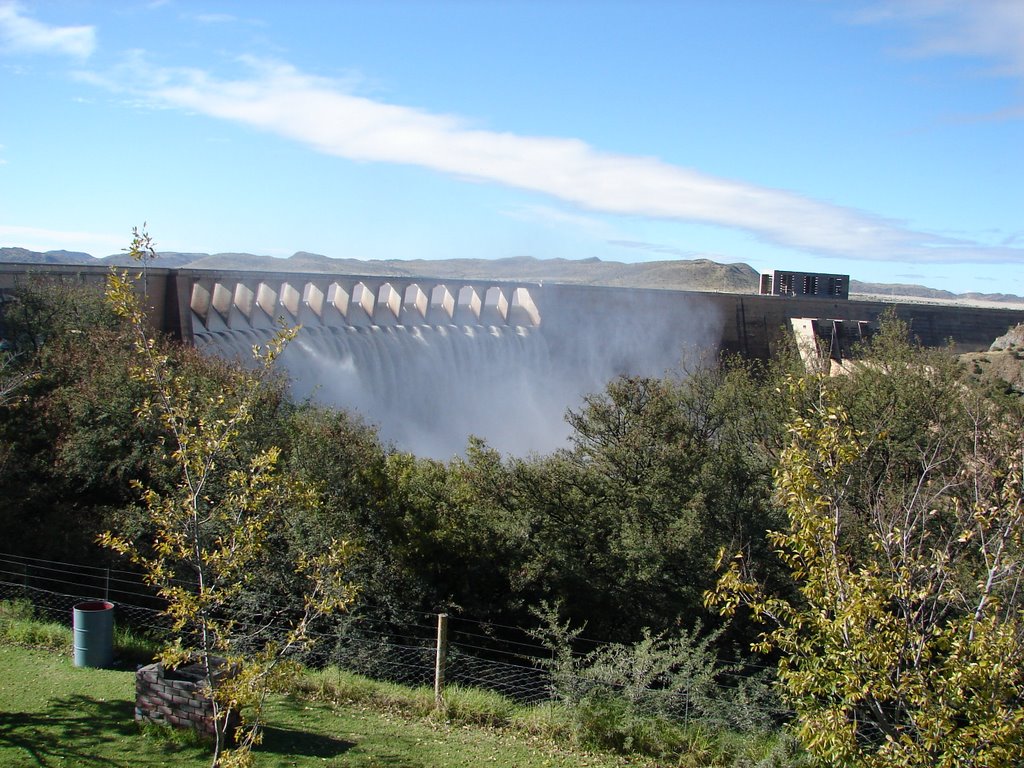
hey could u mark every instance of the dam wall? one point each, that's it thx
(162, 301)
(431, 361)
(752, 323)
(182, 302)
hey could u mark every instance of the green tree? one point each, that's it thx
(72, 440)
(622, 527)
(11, 378)
(903, 645)
(210, 528)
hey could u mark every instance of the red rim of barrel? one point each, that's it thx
(94, 605)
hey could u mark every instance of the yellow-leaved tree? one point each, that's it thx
(210, 527)
(903, 644)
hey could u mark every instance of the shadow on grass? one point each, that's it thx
(298, 741)
(78, 729)
(285, 741)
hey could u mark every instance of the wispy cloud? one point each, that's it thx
(215, 18)
(323, 115)
(21, 34)
(665, 250)
(557, 217)
(988, 29)
(211, 19)
(42, 239)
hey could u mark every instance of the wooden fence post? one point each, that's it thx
(441, 658)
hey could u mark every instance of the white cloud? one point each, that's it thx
(321, 114)
(989, 29)
(556, 217)
(21, 34)
(664, 250)
(215, 18)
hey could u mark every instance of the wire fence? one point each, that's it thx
(476, 654)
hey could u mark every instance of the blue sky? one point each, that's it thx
(879, 138)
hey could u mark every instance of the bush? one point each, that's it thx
(666, 697)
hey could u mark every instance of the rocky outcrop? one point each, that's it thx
(1012, 339)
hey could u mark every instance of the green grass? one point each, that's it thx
(52, 713)
(20, 625)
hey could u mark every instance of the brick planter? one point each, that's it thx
(175, 697)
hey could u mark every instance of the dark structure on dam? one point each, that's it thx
(434, 360)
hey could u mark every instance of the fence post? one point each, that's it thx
(106, 587)
(441, 658)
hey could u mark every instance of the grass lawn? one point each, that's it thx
(53, 714)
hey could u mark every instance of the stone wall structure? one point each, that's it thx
(174, 697)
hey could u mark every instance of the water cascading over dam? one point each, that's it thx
(431, 362)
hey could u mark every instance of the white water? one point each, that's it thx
(428, 388)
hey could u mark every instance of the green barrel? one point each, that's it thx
(94, 633)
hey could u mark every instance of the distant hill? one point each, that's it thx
(25, 256)
(922, 292)
(168, 260)
(676, 274)
(698, 274)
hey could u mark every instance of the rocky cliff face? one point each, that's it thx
(1012, 339)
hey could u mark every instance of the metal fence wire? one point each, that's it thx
(476, 654)
(526, 684)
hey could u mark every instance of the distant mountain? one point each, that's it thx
(167, 259)
(677, 274)
(922, 292)
(25, 256)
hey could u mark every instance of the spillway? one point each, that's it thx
(432, 362)
(426, 387)
(428, 364)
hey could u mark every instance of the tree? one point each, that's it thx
(623, 527)
(210, 528)
(904, 643)
(70, 434)
(11, 380)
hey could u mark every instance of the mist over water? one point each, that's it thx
(430, 387)
(427, 388)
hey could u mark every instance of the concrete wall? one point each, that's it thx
(618, 318)
(753, 322)
(162, 301)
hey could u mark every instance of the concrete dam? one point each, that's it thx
(431, 361)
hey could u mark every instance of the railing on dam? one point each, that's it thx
(221, 302)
